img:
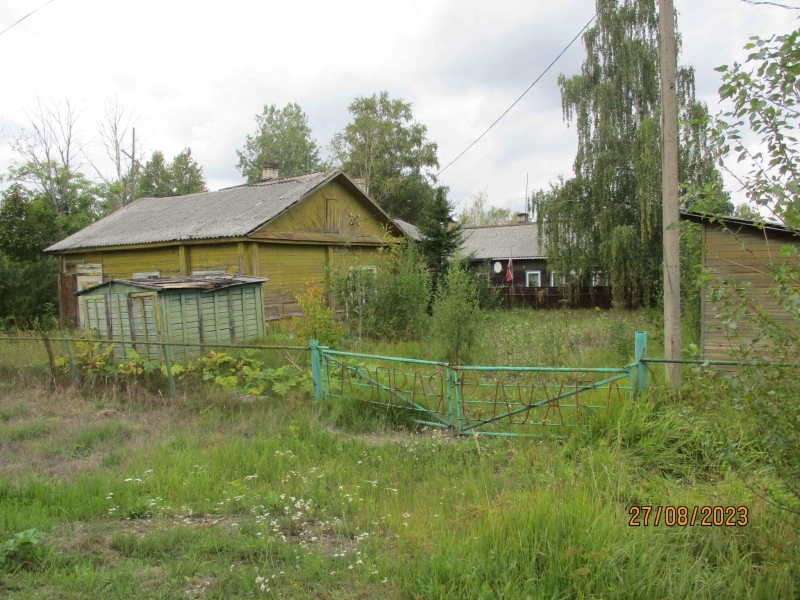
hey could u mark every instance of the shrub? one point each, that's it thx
(389, 302)
(457, 315)
(317, 321)
(403, 294)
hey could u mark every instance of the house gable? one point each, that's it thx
(337, 212)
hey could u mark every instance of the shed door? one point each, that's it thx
(94, 315)
(145, 324)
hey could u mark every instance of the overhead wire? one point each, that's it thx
(530, 87)
(25, 17)
(765, 3)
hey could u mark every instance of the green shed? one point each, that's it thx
(201, 309)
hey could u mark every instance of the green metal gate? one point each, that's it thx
(484, 400)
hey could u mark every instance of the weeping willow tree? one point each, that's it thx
(606, 219)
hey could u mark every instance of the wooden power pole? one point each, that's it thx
(669, 190)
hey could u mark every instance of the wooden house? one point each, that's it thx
(738, 250)
(492, 247)
(208, 309)
(286, 229)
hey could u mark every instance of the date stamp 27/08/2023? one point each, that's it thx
(684, 516)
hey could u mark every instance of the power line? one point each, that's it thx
(25, 17)
(757, 3)
(555, 60)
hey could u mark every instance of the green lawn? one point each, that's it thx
(209, 496)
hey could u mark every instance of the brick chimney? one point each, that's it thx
(522, 217)
(269, 171)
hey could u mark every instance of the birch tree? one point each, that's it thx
(607, 217)
(385, 147)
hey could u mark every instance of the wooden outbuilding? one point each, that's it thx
(286, 229)
(212, 309)
(740, 251)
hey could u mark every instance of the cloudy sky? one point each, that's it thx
(195, 73)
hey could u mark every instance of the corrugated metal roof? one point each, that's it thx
(410, 230)
(194, 282)
(766, 223)
(502, 241)
(230, 212)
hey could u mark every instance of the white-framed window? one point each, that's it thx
(556, 279)
(533, 278)
(146, 275)
(600, 279)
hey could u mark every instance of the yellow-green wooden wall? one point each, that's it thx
(356, 218)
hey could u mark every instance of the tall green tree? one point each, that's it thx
(607, 217)
(282, 136)
(385, 147)
(27, 224)
(160, 178)
(28, 279)
(441, 235)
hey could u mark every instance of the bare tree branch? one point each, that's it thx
(114, 128)
(51, 149)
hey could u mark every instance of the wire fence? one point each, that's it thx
(69, 360)
(487, 400)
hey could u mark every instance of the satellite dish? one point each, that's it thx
(498, 267)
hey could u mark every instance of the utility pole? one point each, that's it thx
(669, 190)
(134, 164)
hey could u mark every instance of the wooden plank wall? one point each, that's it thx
(122, 264)
(740, 256)
(290, 268)
(213, 257)
(131, 319)
(355, 218)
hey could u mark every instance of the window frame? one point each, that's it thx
(528, 273)
(554, 277)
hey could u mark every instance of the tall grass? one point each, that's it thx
(294, 499)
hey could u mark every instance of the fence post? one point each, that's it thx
(458, 400)
(640, 352)
(72, 370)
(315, 372)
(450, 396)
(168, 364)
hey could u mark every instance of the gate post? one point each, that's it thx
(313, 346)
(449, 396)
(640, 352)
